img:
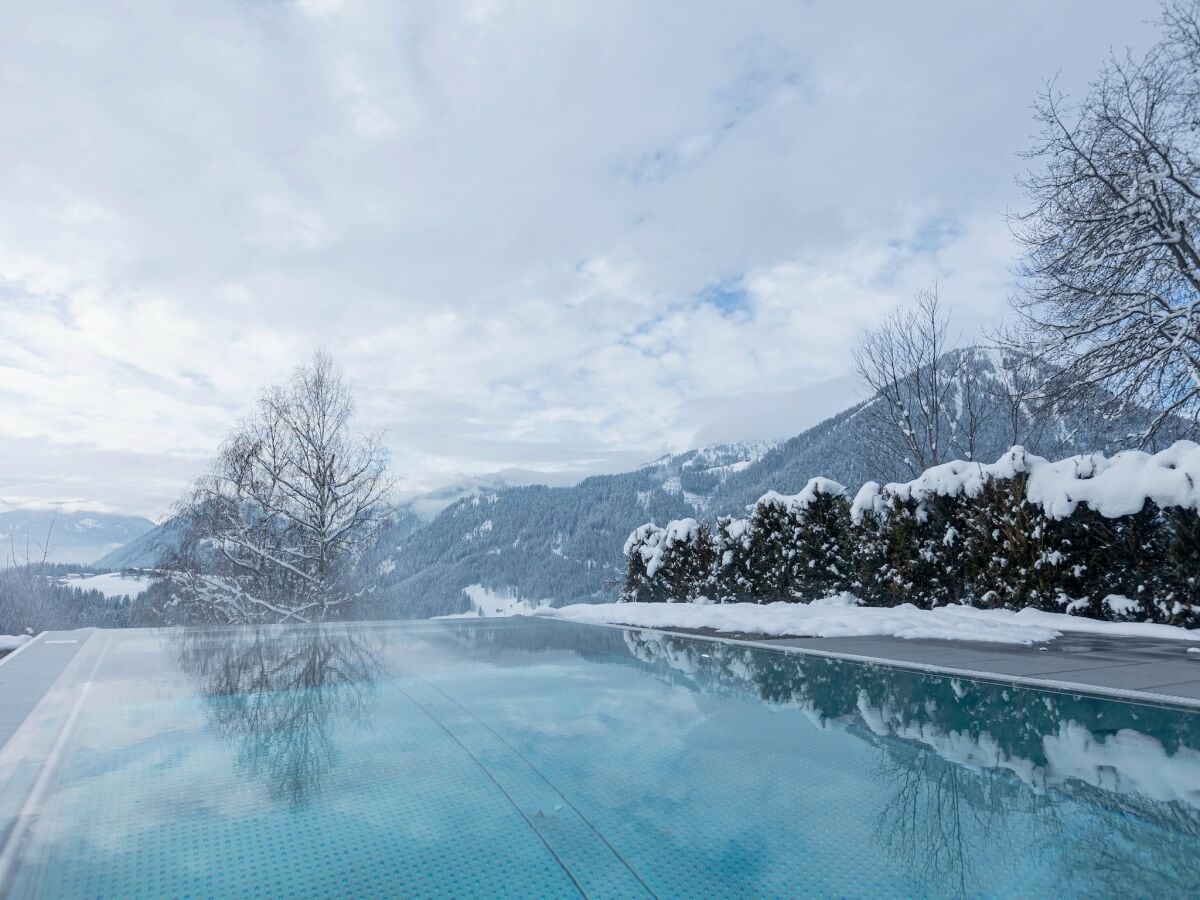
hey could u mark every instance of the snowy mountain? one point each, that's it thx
(541, 543)
(144, 551)
(73, 537)
(564, 544)
(559, 544)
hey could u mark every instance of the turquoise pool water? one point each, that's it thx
(538, 758)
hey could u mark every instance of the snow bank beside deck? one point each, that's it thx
(12, 641)
(840, 616)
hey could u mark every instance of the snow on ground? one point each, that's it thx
(113, 584)
(840, 616)
(488, 603)
(12, 641)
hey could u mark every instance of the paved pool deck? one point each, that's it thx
(1142, 669)
(28, 672)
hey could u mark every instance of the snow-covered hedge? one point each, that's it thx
(668, 563)
(1114, 538)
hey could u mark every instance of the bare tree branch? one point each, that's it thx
(915, 382)
(292, 501)
(1111, 293)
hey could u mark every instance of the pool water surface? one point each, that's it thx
(528, 757)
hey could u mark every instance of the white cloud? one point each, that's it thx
(538, 235)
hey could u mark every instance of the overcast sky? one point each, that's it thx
(553, 236)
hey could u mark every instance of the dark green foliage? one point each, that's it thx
(797, 548)
(642, 584)
(1013, 555)
(1127, 559)
(823, 562)
(910, 551)
(1181, 574)
(730, 578)
(869, 554)
(771, 559)
(924, 549)
(692, 564)
(995, 549)
(671, 564)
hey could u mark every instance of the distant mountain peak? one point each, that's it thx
(78, 536)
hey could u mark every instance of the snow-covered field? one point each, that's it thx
(11, 641)
(841, 617)
(113, 584)
(488, 603)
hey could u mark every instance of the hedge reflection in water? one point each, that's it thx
(1109, 791)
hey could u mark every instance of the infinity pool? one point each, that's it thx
(539, 758)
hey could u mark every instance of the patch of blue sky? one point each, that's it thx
(935, 233)
(929, 238)
(763, 80)
(729, 297)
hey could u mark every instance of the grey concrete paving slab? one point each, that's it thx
(1135, 678)
(1050, 666)
(1188, 689)
(26, 676)
(867, 646)
(1105, 664)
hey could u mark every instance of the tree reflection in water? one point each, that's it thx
(922, 822)
(1151, 849)
(1108, 793)
(280, 693)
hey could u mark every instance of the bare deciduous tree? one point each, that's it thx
(925, 405)
(26, 587)
(1112, 287)
(971, 409)
(1017, 394)
(293, 499)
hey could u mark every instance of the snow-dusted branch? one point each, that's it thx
(1111, 288)
(914, 381)
(293, 500)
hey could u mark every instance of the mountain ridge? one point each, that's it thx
(74, 537)
(563, 544)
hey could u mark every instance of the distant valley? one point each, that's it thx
(71, 537)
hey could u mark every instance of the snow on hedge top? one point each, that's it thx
(650, 541)
(797, 502)
(1119, 486)
(869, 499)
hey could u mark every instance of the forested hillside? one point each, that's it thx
(564, 544)
(546, 543)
